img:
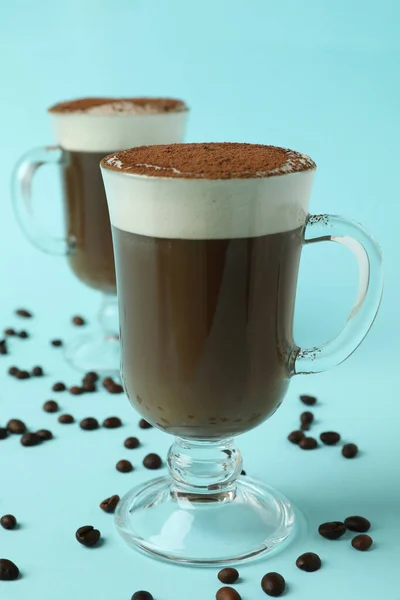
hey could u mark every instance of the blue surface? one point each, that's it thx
(321, 77)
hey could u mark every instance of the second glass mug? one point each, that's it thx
(207, 275)
(86, 130)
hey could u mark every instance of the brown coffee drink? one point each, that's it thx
(207, 241)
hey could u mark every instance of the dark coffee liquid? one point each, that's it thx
(206, 328)
(91, 256)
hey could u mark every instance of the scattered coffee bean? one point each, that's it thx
(88, 387)
(13, 371)
(44, 434)
(66, 419)
(91, 376)
(8, 570)
(296, 436)
(308, 443)
(3, 433)
(131, 443)
(308, 400)
(142, 595)
(152, 461)
(22, 375)
(273, 584)
(107, 382)
(124, 466)
(305, 427)
(309, 562)
(75, 390)
(332, 530)
(307, 417)
(51, 406)
(9, 331)
(78, 321)
(59, 387)
(110, 504)
(228, 575)
(56, 343)
(37, 372)
(112, 422)
(22, 312)
(87, 535)
(23, 335)
(329, 438)
(31, 439)
(243, 472)
(89, 424)
(3, 347)
(227, 593)
(143, 424)
(8, 522)
(362, 542)
(16, 426)
(350, 450)
(359, 524)
(116, 388)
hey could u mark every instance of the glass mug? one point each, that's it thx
(207, 275)
(85, 130)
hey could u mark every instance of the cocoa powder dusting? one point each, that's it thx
(224, 160)
(154, 105)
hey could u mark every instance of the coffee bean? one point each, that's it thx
(359, 524)
(91, 376)
(89, 424)
(273, 584)
(37, 372)
(296, 436)
(88, 387)
(116, 388)
(110, 504)
(9, 331)
(8, 522)
(8, 570)
(22, 312)
(75, 390)
(78, 321)
(23, 335)
(66, 419)
(228, 575)
(350, 450)
(112, 422)
(124, 466)
(87, 535)
(307, 417)
(22, 375)
(51, 406)
(107, 382)
(362, 542)
(332, 530)
(152, 461)
(143, 424)
(31, 439)
(13, 371)
(308, 400)
(131, 443)
(44, 434)
(16, 426)
(59, 387)
(305, 427)
(243, 472)
(308, 443)
(56, 343)
(227, 593)
(309, 562)
(142, 596)
(329, 438)
(3, 347)
(3, 433)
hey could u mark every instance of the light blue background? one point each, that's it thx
(320, 76)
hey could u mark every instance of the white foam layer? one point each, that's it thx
(113, 131)
(207, 209)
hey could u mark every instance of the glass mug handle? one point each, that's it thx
(331, 228)
(22, 198)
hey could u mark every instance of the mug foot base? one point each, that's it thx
(94, 352)
(204, 530)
